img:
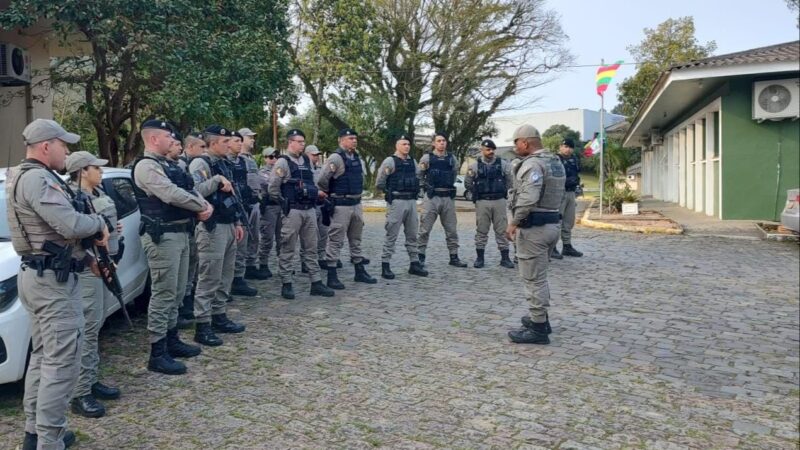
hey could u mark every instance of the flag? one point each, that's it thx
(604, 76)
(592, 147)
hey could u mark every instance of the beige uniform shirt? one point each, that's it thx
(151, 178)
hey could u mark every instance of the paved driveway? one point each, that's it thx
(659, 342)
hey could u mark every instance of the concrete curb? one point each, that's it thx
(381, 208)
(599, 225)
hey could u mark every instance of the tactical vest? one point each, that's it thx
(490, 181)
(28, 230)
(553, 185)
(441, 175)
(225, 210)
(151, 206)
(572, 170)
(299, 190)
(239, 171)
(104, 205)
(351, 182)
(404, 178)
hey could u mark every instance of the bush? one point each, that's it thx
(614, 197)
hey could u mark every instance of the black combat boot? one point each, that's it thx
(479, 262)
(204, 334)
(178, 348)
(362, 276)
(264, 269)
(240, 287)
(569, 250)
(339, 264)
(555, 255)
(101, 391)
(303, 267)
(287, 292)
(32, 439)
(386, 271)
(505, 261)
(416, 268)
(421, 257)
(221, 324)
(160, 361)
(528, 323)
(317, 288)
(253, 273)
(364, 261)
(333, 279)
(87, 406)
(323, 265)
(186, 312)
(454, 261)
(525, 335)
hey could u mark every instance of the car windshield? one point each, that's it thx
(5, 233)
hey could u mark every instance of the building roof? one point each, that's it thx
(788, 51)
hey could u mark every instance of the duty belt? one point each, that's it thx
(345, 201)
(301, 206)
(490, 196)
(47, 262)
(184, 227)
(443, 192)
(539, 218)
(404, 195)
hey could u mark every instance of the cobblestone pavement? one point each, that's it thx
(659, 342)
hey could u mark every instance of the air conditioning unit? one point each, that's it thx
(776, 99)
(15, 65)
(656, 138)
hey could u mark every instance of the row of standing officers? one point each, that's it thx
(215, 216)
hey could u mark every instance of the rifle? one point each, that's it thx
(242, 211)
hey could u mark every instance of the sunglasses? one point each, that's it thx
(271, 157)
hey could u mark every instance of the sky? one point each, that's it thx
(604, 29)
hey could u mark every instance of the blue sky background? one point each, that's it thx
(734, 25)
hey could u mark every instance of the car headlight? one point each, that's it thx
(8, 292)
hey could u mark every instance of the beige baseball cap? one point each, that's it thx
(525, 131)
(44, 129)
(268, 151)
(247, 132)
(78, 160)
(312, 150)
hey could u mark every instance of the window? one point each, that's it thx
(121, 191)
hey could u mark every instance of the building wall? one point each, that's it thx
(585, 121)
(760, 161)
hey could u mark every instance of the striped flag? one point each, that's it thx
(604, 76)
(592, 147)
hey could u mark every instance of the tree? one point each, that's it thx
(671, 42)
(794, 6)
(553, 136)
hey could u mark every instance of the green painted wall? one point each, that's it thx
(752, 187)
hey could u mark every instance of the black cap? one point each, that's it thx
(402, 137)
(489, 143)
(442, 134)
(295, 132)
(236, 134)
(217, 130)
(177, 136)
(344, 132)
(156, 124)
(568, 142)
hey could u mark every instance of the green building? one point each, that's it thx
(721, 135)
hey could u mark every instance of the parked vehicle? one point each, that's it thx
(790, 217)
(15, 328)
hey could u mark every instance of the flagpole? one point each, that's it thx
(602, 134)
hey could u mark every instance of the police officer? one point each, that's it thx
(169, 206)
(437, 171)
(246, 196)
(86, 175)
(270, 224)
(314, 154)
(216, 238)
(292, 186)
(194, 147)
(252, 271)
(538, 189)
(489, 179)
(572, 167)
(343, 179)
(41, 215)
(397, 178)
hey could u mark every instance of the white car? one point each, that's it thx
(790, 217)
(461, 191)
(15, 328)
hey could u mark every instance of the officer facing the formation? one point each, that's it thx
(313, 154)
(46, 231)
(86, 174)
(572, 168)
(538, 189)
(437, 171)
(169, 207)
(270, 224)
(343, 179)
(195, 146)
(397, 178)
(216, 239)
(489, 179)
(252, 271)
(292, 186)
(248, 201)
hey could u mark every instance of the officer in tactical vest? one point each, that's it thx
(437, 172)
(46, 231)
(252, 271)
(270, 224)
(343, 179)
(195, 146)
(216, 238)
(292, 186)
(86, 174)
(313, 153)
(572, 167)
(248, 200)
(397, 178)
(538, 190)
(489, 179)
(169, 207)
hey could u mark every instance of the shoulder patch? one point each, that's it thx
(535, 176)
